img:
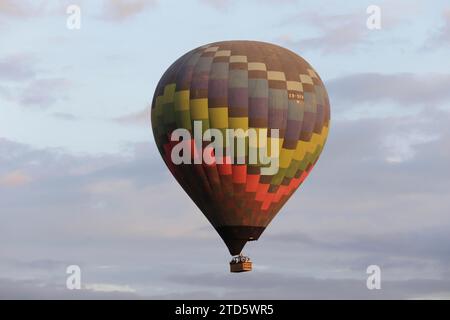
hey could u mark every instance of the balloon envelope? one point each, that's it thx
(242, 85)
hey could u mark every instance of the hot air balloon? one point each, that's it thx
(240, 86)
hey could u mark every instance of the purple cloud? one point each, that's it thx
(226, 4)
(344, 32)
(23, 9)
(120, 10)
(13, 8)
(17, 67)
(44, 92)
(22, 81)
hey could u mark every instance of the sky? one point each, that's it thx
(82, 183)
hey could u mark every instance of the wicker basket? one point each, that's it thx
(241, 266)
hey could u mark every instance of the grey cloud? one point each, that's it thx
(360, 147)
(45, 264)
(362, 208)
(356, 209)
(428, 243)
(36, 290)
(53, 166)
(404, 89)
(360, 151)
(65, 186)
(249, 286)
(263, 285)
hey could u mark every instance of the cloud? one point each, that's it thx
(36, 290)
(107, 287)
(93, 186)
(44, 92)
(65, 116)
(10, 9)
(16, 9)
(17, 67)
(366, 193)
(429, 244)
(441, 37)
(218, 4)
(221, 5)
(347, 31)
(137, 118)
(120, 10)
(357, 208)
(40, 264)
(249, 286)
(14, 179)
(336, 32)
(114, 10)
(404, 89)
(262, 285)
(23, 82)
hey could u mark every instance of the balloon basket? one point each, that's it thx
(240, 264)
